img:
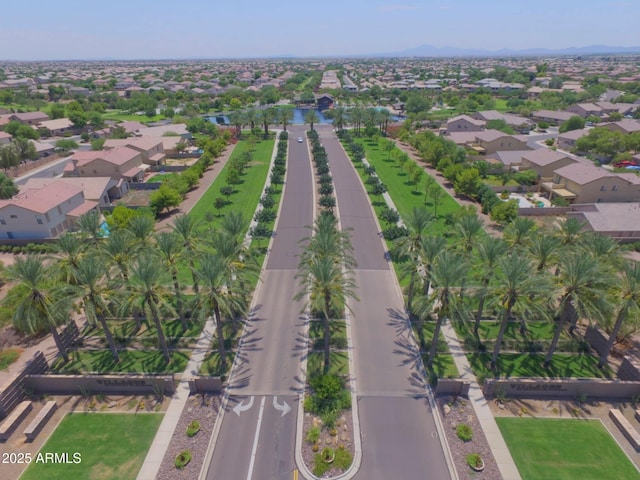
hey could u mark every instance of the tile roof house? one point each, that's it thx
(103, 190)
(586, 109)
(464, 123)
(567, 140)
(5, 138)
(585, 183)
(57, 127)
(29, 118)
(491, 141)
(120, 162)
(551, 116)
(620, 221)
(173, 130)
(151, 148)
(46, 212)
(544, 161)
(625, 126)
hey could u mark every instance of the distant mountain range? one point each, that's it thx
(432, 51)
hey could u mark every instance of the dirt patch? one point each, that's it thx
(135, 198)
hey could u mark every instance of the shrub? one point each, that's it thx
(193, 428)
(474, 460)
(183, 459)
(313, 435)
(343, 458)
(464, 432)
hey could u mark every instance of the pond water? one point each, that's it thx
(298, 117)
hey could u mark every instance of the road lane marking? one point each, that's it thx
(241, 407)
(255, 440)
(295, 474)
(284, 408)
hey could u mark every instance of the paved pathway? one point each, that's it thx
(488, 423)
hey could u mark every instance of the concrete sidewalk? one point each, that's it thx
(501, 453)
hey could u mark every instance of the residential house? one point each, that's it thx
(151, 148)
(544, 162)
(585, 110)
(625, 126)
(5, 138)
(585, 183)
(103, 190)
(29, 118)
(120, 162)
(567, 140)
(171, 130)
(43, 149)
(551, 116)
(620, 221)
(518, 123)
(464, 123)
(57, 127)
(131, 127)
(491, 141)
(324, 101)
(507, 159)
(81, 91)
(46, 212)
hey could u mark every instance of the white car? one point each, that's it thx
(300, 139)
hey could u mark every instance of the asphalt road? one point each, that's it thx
(399, 436)
(257, 433)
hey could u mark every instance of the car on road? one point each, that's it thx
(300, 139)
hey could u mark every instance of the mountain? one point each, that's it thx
(432, 51)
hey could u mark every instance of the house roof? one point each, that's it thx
(543, 156)
(142, 144)
(56, 124)
(117, 156)
(5, 135)
(133, 172)
(509, 157)
(162, 130)
(84, 207)
(613, 217)
(582, 173)
(627, 124)
(30, 116)
(131, 127)
(42, 200)
(491, 135)
(561, 116)
(93, 187)
(574, 134)
(474, 121)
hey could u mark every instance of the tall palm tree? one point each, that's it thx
(603, 248)
(327, 241)
(68, 251)
(117, 249)
(267, 117)
(251, 117)
(569, 231)
(583, 285)
(217, 297)
(236, 119)
(519, 289)
(233, 223)
(383, 117)
(141, 229)
(468, 226)
(544, 249)
(430, 249)
(95, 294)
(311, 117)
(489, 252)
(518, 233)
(627, 293)
(356, 117)
(170, 250)
(417, 223)
(42, 306)
(327, 288)
(285, 117)
(339, 115)
(147, 291)
(89, 226)
(449, 273)
(187, 229)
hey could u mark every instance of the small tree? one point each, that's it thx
(164, 199)
(227, 191)
(505, 212)
(219, 203)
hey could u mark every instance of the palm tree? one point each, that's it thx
(169, 248)
(285, 116)
(417, 223)
(489, 252)
(327, 288)
(569, 231)
(518, 289)
(40, 306)
(544, 249)
(217, 297)
(68, 251)
(356, 117)
(95, 293)
(468, 226)
(233, 223)
(519, 231)
(90, 227)
(186, 227)
(311, 117)
(449, 273)
(583, 287)
(236, 119)
(430, 249)
(147, 291)
(117, 249)
(603, 248)
(627, 292)
(267, 117)
(339, 115)
(141, 229)
(327, 241)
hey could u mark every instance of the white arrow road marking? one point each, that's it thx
(284, 408)
(241, 407)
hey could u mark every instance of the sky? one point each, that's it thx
(159, 29)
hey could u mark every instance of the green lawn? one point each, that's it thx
(338, 337)
(339, 363)
(535, 330)
(443, 366)
(565, 450)
(8, 356)
(161, 177)
(131, 361)
(111, 446)
(531, 365)
(212, 366)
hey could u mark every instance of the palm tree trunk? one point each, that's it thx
(176, 289)
(476, 326)
(161, 338)
(612, 338)
(220, 333)
(109, 336)
(556, 335)
(434, 342)
(194, 276)
(327, 335)
(58, 341)
(410, 290)
(503, 327)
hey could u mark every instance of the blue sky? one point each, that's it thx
(134, 29)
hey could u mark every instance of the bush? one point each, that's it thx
(193, 428)
(313, 435)
(474, 460)
(183, 459)
(464, 432)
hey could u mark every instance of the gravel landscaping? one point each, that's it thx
(456, 411)
(343, 437)
(204, 409)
